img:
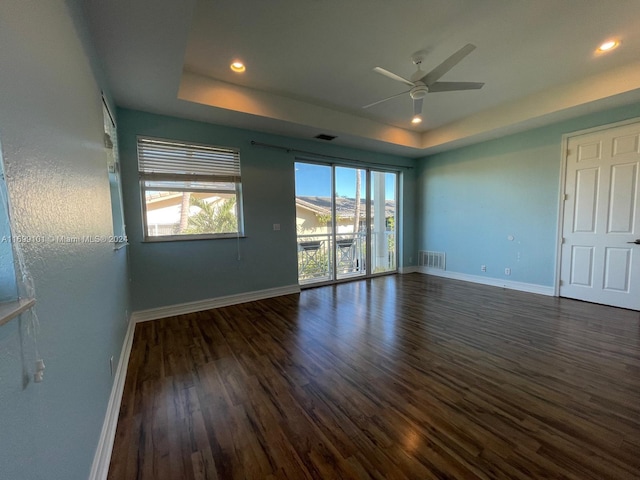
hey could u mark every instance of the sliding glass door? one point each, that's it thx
(350, 226)
(314, 222)
(383, 222)
(345, 219)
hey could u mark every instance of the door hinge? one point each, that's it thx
(566, 196)
(561, 283)
(564, 240)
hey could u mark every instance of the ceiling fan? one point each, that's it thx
(423, 82)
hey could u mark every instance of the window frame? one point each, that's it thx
(176, 177)
(119, 226)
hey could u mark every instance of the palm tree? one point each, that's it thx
(184, 211)
(356, 219)
(213, 217)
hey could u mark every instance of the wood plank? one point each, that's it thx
(395, 377)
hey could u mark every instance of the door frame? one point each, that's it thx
(563, 182)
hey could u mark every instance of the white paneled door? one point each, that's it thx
(600, 259)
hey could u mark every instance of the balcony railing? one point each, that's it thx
(315, 256)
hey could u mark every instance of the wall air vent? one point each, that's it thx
(431, 259)
(322, 136)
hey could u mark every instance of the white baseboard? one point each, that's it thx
(102, 457)
(209, 303)
(494, 282)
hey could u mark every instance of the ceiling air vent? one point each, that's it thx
(322, 136)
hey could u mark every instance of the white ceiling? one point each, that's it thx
(309, 64)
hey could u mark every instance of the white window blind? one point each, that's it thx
(189, 190)
(167, 158)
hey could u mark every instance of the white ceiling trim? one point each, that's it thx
(553, 104)
(207, 91)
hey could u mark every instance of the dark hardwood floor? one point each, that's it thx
(398, 377)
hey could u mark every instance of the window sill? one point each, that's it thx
(119, 245)
(10, 310)
(190, 238)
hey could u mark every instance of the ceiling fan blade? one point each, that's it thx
(453, 86)
(417, 106)
(385, 99)
(435, 74)
(392, 76)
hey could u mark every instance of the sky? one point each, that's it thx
(315, 180)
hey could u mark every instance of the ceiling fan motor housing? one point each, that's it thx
(418, 92)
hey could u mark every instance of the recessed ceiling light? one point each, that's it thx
(416, 119)
(238, 67)
(608, 46)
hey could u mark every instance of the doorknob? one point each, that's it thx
(636, 241)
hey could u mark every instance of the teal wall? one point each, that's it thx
(470, 200)
(51, 132)
(168, 273)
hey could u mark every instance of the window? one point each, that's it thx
(16, 286)
(113, 167)
(8, 287)
(189, 191)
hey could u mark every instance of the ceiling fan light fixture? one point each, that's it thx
(608, 46)
(418, 92)
(237, 66)
(417, 119)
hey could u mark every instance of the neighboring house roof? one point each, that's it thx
(160, 200)
(155, 196)
(314, 207)
(345, 207)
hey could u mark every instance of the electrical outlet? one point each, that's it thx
(483, 268)
(38, 376)
(507, 271)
